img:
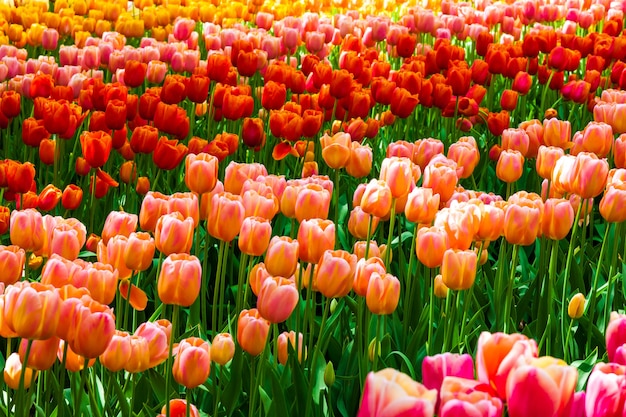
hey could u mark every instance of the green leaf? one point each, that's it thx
(121, 398)
(279, 404)
(265, 400)
(230, 396)
(584, 368)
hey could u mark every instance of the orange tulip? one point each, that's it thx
(335, 273)
(153, 206)
(254, 236)
(100, 279)
(67, 241)
(383, 293)
(32, 311)
(139, 251)
(42, 355)
(441, 177)
(510, 166)
(226, 216)
(458, 269)
(73, 361)
(431, 244)
(588, 175)
(557, 133)
(421, 206)
(96, 147)
(222, 348)
(201, 172)
(158, 335)
(178, 408)
(252, 331)
(12, 261)
(277, 299)
(193, 362)
(113, 254)
(93, 327)
(336, 149)
(359, 221)
(282, 342)
(237, 174)
(377, 198)
(466, 154)
(613, 203)
(491, 223)
(186, 204)
(260, 204)
(174, 234)
(281, 257)
(117, 353)
(118, 223)
(397, 172)
(546, 160)
(49, 198)
(522, 222)
(13, 373)
(180, 279)
(360, 163)
(557, 219)
(312, 201)
(27, 229)
(72, 197)
(365, 268)
(315, 236)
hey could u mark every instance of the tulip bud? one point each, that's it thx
(329, 374)
(576, 307)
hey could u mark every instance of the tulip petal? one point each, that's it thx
(138, 298)
(281, 150)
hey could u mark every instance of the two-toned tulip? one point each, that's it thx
(252, 331)
(277, 299)
(180, 279)
(192, 365)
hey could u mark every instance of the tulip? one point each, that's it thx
(613, 203)
(222, 348)
(491, 224)
(576, 306)
(157, 334)
(118, 353)
(226, 216)
(193, 362)
(510, 166)
(178, 407)
(441, 177)
(201, 172)
(557, 133)
(12, 261)
(100, 279)
(440, 290)
(458, 269)
(237, 174)
(557, 219)
(335, 273)
(336, 150)
(282, 342)
(606, 390)
(498, 355)
(93, 327)
(27, 229)
(359, 223)
(398, 174)
(277, 298)
(383, 293)
(72, 197)
(312, 201)
(42, 354)
(73, 361)
(252, 331)
(461, 396)
(168, 154)
(588, 175)
(436, 368)
(431, 244)
(254, 236)
(153, 206)
(174, 234)
(546, 160)
(96, 147)
(392, 393)
(360, 163)
(544, 387)
(281, 257)
(377, 198)
(179, 280)
(522, 223)
(118, 223)
(315, 236)
(13, 373)
(32, 311)
(615, 334)
(113, 254)
(139, 251)
(466, 155)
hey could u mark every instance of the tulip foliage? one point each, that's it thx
(308, 207)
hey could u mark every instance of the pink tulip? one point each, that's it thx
(606, 391)
(436, 368)
(467, 397)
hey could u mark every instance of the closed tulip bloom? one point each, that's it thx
(13, 373)
(32, 311)
(222, 348)
(286, 338)
(613, 203)
(491, 224)
(544, 387)
(180, 279)
(589, 174)
(254, 236)
(118, 223)
(365, 269)
(441, 177)
(96, 147)
(335, 273)
(312, 201)
(557, 133)
(12, 260)
(377, 198)
(558, 218)
(522, 222)
(336, 149)
(153, 206)
(576, 306)
(252, 331)
(73, 361)
(597, 138)
(421, 206)
(42, 355)
(561, 174)
(113, 254)
(383, 293)
(615, 334)
(392, 393)
(619, 151)
(458, 269)
(315, 236)
(236, 175)
(117, 353)
(226, 216)
(546, 160)
(467, 397)
(49, 198)
(192, 365)
(168, 154)
(516, 140)
(201, 172)
(436, 368)
(101, 281)
(72, 197)
(281, 257)
(359, 221)
(157, 335)
(606, 391)
(360, 163)
(397, 172)
(139, 251)
(498, 354)
(466, 155)
(66, 242)
(93, 327)
(27, 229)
(510, 166)
(440, 290)
(431, 244)
(20, 176)
(186, 204)
(261, 204)
(277, 299)
(174, 234)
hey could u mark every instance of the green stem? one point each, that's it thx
(20, 406)
(216, 290)
(79, 394)
(316, 352)
(243, 267)
(594, 288)
(431, 312)
(409, 286)
(168, 366)
(392, 221)
(509, 289)
(609, 292)
(568, 268)
(380, 320)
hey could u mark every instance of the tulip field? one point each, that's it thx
(340, 208)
